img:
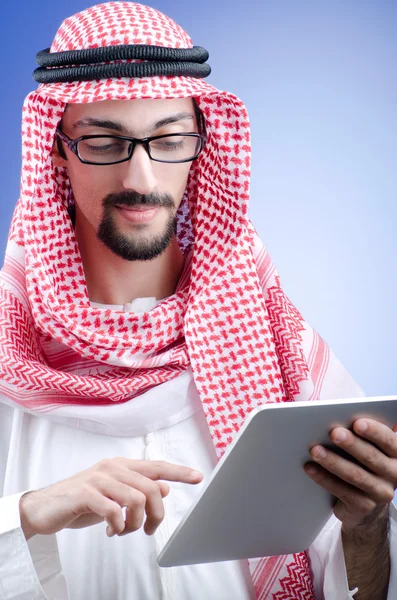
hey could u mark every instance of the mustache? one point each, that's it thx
(131, 198)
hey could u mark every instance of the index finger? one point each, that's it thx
(379, 434)
(158, 469)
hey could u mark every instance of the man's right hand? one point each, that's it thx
(99, 493)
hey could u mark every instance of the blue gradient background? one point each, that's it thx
(319, 82)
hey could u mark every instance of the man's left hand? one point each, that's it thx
(360, 490)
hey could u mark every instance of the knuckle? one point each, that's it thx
(138, 499)
(347, 497)
(108, 465)
(152, 489)
(388, 495)
(352, 498)
(104, 465)
(390, 444)
(357, 477)
(366, 505)
(112, 512)
(372, 458)
(158, 516)
(86, 488)
(96, 481)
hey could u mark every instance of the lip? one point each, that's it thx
(139, 213)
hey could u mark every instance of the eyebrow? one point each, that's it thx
(121, 128)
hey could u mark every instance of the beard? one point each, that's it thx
(135, 246)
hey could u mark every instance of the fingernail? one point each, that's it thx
(319, 452)
(311, 470)
(340, 436)
(361, 426)
(195, 474)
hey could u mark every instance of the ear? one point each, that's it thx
(57, 159)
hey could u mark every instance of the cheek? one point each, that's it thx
(181, 182)
(89, 189)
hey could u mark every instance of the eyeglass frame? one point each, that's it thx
(72, 144)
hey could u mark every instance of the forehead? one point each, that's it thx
(135, 112)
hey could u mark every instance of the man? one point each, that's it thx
(142, 319)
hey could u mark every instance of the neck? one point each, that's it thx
(112, 280)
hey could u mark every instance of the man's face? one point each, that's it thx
(131, 206)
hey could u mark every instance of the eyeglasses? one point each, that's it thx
(114, 149)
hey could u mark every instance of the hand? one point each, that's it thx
(360, 490)
(99, 493)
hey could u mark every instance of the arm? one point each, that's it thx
(366, 550)
(329, 568)
(28, 570)
(31, 570)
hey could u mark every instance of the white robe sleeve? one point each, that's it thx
(28, 570)
(328, 564)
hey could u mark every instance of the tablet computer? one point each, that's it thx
(258, 500)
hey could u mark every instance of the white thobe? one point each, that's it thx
(165, 423)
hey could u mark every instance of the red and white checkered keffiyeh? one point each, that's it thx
(229, 318)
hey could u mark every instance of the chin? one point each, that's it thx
(134, 246)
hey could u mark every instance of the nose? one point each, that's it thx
(139, 175)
